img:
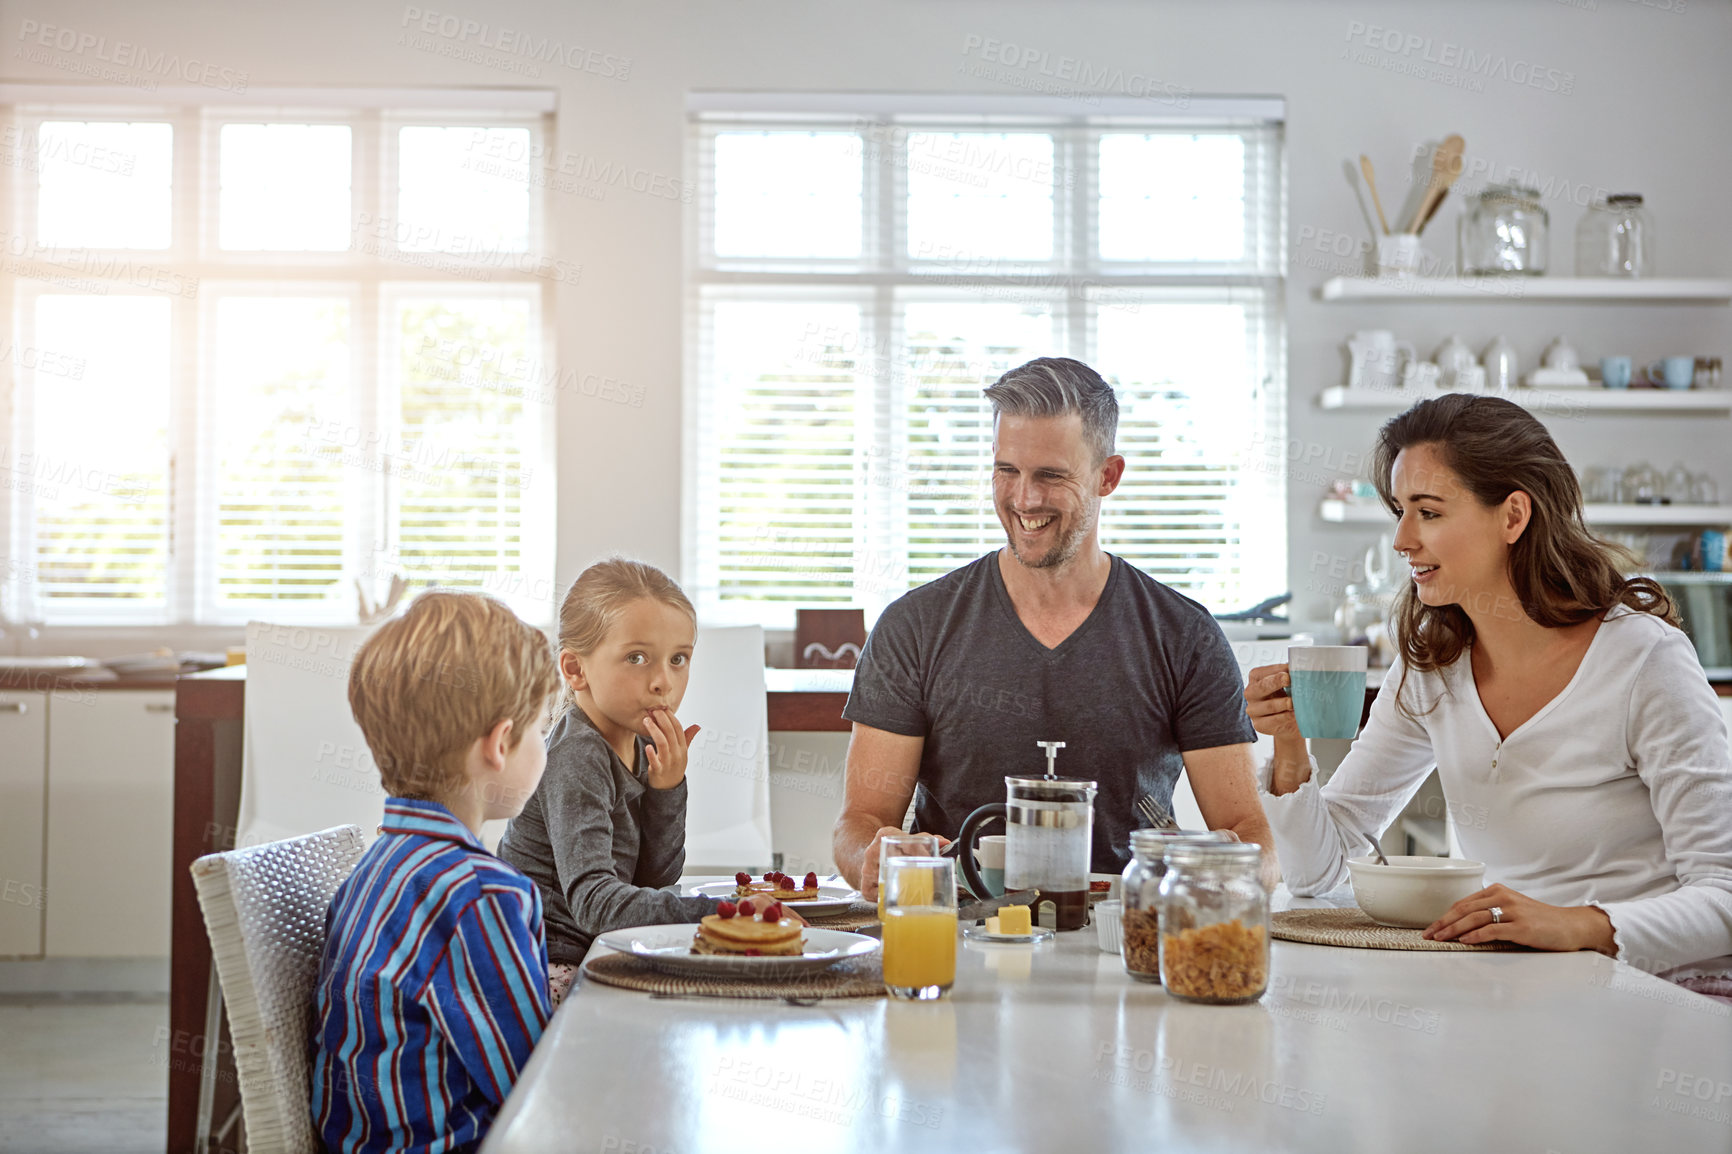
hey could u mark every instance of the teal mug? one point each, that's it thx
(1615, 372)
(1673, 372)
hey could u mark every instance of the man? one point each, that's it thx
(1047, 639)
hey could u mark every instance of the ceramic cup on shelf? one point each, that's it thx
(1398, 255)
(1615, 372)
(1559, 355)
(1501, 368)
(1673, 372)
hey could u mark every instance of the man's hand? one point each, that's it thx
(879, 781)
(1226, 790)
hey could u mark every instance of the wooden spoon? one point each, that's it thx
(1445, 167)
(1371, 179)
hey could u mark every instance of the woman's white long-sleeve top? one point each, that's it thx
(1617, 793)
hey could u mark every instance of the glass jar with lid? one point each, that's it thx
(1615, 238)
(1140, 921)
(1505, 230)
(1214, 924)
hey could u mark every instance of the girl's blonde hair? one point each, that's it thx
(593, 605)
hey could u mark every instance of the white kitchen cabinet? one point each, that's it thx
(110, 827)
(23, 777)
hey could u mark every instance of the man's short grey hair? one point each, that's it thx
(1054, 386)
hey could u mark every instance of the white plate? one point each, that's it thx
(669, 949)
(830, 899)
(979, 934)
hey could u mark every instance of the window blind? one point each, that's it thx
(842, 453)
(265, 353)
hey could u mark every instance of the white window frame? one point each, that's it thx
(372, 278)
(885, 271)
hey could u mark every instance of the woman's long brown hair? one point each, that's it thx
(1562, 574)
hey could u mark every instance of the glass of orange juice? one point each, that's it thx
(896, 845)
(919, 926)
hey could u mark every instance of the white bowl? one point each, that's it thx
(1109, 918)
(1413, 892)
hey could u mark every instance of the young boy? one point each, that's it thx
(433, 987)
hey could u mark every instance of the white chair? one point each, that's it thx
(264, 909)
(728, 773)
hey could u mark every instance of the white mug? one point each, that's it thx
(1376, 358)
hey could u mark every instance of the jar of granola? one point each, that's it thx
(1142, 889)
(1214, 924)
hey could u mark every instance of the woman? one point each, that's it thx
(1559, 701)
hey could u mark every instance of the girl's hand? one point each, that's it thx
(1524, 921)
(668, 748)
(1267, 703)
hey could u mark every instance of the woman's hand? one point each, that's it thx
(668, 748)
(1267, 703)
(1270, 708)
(1524, 921)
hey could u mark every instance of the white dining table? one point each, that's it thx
(1054, 1048)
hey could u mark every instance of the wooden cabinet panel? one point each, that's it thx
(23, 777)
(110, 823)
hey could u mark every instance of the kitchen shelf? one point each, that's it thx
(1354, 513)
(1717, 401)
(1539, 289)
(1691, 577)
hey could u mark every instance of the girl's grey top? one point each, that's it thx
(599, 842)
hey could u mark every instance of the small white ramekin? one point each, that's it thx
(1108, 917)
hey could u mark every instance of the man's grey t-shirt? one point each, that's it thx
(1146, 677)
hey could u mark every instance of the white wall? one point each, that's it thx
(1649, 88)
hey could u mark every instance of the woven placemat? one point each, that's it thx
(855, 978)
(857, 915)
(1353, 927)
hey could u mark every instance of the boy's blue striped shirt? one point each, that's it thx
(432, 991)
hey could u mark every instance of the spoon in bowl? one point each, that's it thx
(1375, 848)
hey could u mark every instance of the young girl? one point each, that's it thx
(1556, 697)
(606, 828)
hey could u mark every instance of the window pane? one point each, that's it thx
(285, 187)
(450, 198)
(1170, 197)
(979, 194)
(788, 194)
(1187, 379)
(282, 402)
(462, 460)
(98, 476)
(786, 419)
(103, 184)
(955, 351)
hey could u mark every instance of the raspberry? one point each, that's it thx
(773, 912)
(726, 909)
(770, 876)
(754, 953)
(746, 908)
(811, 881)
(743, 878)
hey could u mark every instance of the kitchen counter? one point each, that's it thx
(91, 677)
(1052, 1047)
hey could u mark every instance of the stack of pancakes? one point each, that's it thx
(747, 936)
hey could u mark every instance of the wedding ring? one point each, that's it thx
(1497, 913)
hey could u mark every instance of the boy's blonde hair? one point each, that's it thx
(430, 682)
(600, 594)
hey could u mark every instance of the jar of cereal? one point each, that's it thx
(1142, 889)
(1214, 924)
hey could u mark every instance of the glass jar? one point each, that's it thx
(1140, 921)
(1615, 238)
(1214, 924)
(1504, 230)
